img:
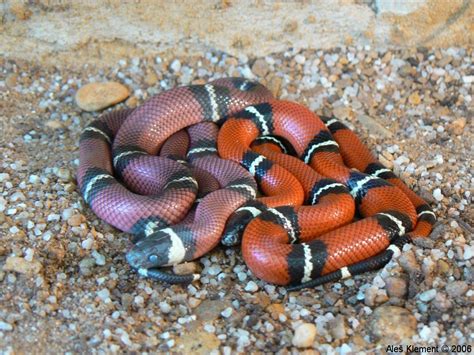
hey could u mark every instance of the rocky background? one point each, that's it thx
(399, 72)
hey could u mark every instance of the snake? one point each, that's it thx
(227, 162)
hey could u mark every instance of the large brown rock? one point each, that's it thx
(97, 96)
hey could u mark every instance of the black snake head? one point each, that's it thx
(161, 248)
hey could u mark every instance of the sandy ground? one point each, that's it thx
(65, 286)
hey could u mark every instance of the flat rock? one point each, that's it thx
(210, 310)
(97, 96)
(392, 324)
(22, 266)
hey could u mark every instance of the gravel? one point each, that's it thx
(63, 272)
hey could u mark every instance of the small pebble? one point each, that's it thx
(304, 335)
(251, 287)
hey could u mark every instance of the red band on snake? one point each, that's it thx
(300, 233)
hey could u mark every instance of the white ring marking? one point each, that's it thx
(247, 187)
(401, 228)
(395, 249)
(255, 164)
(316, 146)
(94, 129)
(331, 121)
(261, 118)
(286, 224)
(91, 183)
(381, 171)
(427, 212)
(121, 155)
(254, 211)
(177, 251)
(361, 183)
(184, 178)
(212, 97)
(324, 188)
(308, 264)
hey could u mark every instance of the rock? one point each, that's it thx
(406, 70)
(54, 124)
(427, 296)
(304, 335)
(392, 324)
(251, 287)
(438, 195)
(260, 67)
(186, 268)
(414, 98)
(457, 126)
(86, 265)
(274, 85)
(210, 310)
(337, 328)
(97, 96)
(331, 298)
(20, 11)
(408, 262)
(200, 342)
(396, 287)
(132, 102)
(20, 265)
(5, 327)
(442, 302)
(76, 220)
(64, 174)
(374, 127)
(456, 288)
(275, 309)
(175, 65)
(151, 78)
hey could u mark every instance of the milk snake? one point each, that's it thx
(181, 171)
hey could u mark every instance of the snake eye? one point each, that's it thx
(153, 258)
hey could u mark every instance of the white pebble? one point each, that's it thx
(4, 177)
(175, 65)
(165, 307)
(99, 258)
(345, 349)
(104, 294)
(437, 194)
(214, 270)
(468, 252)
(29, 254)
(5, 326)
(427, 296)
(425, 333)
(67, 213)
(300, 59)
(87, 244)
(226, 313)
(251, 287)
(468, 79)
(304, 335)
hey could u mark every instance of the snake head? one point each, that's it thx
(161, 248)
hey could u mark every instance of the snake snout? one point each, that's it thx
(149, 253)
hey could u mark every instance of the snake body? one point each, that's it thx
(217, 142)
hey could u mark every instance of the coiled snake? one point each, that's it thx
(199, 164)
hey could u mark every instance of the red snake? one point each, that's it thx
(180, 172)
